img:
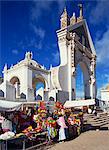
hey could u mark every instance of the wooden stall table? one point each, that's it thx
(13, 141)
(35, 135)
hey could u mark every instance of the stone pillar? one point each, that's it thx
(73, 72)
(63, 46)
(5, 72)
(87, 89)
(71, 67)
(17, 87)
(92, 78)
(26, 84)
(70, 70)
(73, 84)
(92, 87)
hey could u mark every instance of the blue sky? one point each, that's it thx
(31, 26)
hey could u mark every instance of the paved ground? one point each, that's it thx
(90, 140)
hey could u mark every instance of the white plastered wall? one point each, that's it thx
(24, 75)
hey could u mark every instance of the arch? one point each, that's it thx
(43, 87)
(85, 69)
(16, 82)
(86, 78)
(36, 80)
(14, 79)
(39, 78)
(51, 98)
(23, 96)
(79, 83)
(38, 97)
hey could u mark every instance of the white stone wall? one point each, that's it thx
(61, 78)
(52, 93)
(9, 90)
(104, 101)
(62, 43)
(104, 95)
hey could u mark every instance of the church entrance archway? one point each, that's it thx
(84, 80)
(39, 84)
(79, 83)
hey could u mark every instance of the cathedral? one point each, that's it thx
(75, 47)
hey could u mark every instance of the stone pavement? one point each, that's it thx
(96, 136)
(101, 121)
(90, 140)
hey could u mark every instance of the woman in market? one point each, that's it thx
(14, 123)
(71, 127)
(63, 127)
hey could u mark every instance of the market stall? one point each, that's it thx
(79, 103)
(9, 105)
(39, 123)
(11, 141)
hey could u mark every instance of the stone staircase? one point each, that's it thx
(100, 122)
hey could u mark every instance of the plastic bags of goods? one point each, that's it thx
(19, 135)
(7, 135)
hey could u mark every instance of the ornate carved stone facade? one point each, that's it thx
(76, 47)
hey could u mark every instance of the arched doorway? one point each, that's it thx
(79, 83)
(39, 85)
(16, 82)
(82, 81)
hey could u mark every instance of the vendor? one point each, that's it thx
(1, 130)
(15, 123)
(6, 124)
(63, 127)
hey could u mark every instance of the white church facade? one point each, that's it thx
(75, 47)
(104, 100)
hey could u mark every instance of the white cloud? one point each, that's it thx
(15, 51)
(38, 31)
(61, 5)
(107, 77)
(36, 12)
(102, 47)
(38, 8)
(38, 44)
(56, 57)
(99, 13)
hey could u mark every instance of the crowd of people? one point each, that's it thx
(60, 123)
